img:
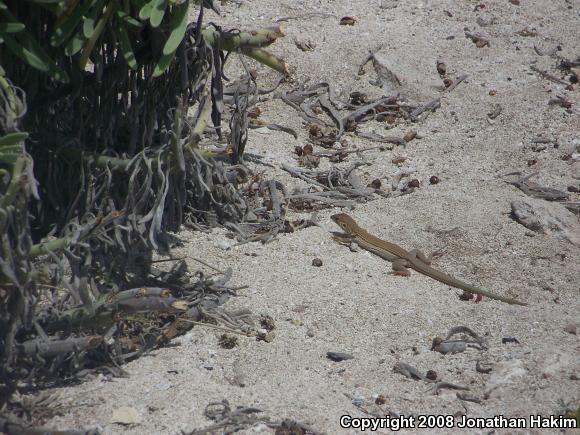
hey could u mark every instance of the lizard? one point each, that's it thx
(402, 259)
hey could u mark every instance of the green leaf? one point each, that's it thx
(12, 139)
(89, 26)
(125, 44)
(44, 1)
(75, 44)
(26, 47)
(91, 19)
(11, 27)
(9, 23)
(31, 58)
(177, 27)
(146, 10)
(11, 147)
(31, 46)
(90, 43)
(66, 29)
(130, 20)
(163, 63)
(10, 157)
(157, 13)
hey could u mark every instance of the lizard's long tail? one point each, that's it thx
(449, 280)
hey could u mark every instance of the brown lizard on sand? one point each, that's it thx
(403, 259)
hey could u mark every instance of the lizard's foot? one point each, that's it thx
(342, 239)
(437, 254)
(404, 273)
(400, 267)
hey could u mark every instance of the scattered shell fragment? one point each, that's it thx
(414, 183)
(495, 112)
(410, 135)
(305, 45)
(358, 98)
(228, 341)
(479, 40)
(441, 68)
(267, 337)
(483, 367)
(348, 21)
(338, 356)
(527, 32)
(481, 22)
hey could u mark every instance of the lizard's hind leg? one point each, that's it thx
(415, 253)
(400, 268)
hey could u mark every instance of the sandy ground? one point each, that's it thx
(351, 304)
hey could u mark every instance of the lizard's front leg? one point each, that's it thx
(345, 240)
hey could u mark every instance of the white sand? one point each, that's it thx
(351, 303)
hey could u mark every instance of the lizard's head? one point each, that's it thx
(344, 221)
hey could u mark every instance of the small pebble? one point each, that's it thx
(431, 374)
(380, 399)
(414, 183)
(571, 328)
(347, 21)
(338, 356)
(410, 135)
